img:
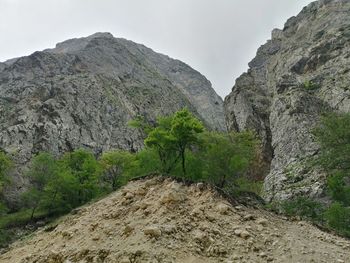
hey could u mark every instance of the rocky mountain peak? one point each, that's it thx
(78, 44)
(83, 93)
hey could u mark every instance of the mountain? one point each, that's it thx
(160, 220)
(302, 72)
(83, 92)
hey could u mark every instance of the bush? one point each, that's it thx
(310, 85)
(246, 185)
(172, 137)
(57, 186)
(6, 237)
(303, 207)
(115, 167)
(5, 167)
(179, 146)
(226, 157)
(333, 135)
(43, 170)
(338, 189)
(338, 218)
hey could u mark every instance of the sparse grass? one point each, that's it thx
(310, 85)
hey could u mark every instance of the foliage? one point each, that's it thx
(115, 166)
(163, 142)
(60, 185)
(338, 218)
(246, 185)
(303, 207)
(310, 85)
(18, 219)
(80, 168)
(172, 136)
(6, 237)
(43, 170)
(176, 145)
(227, 156)
(3, 209)
(5, 166)
(145, 162)
(333, 135)
(338, 189)
(185, 128)
(141, 123)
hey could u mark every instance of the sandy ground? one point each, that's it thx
(159, 220)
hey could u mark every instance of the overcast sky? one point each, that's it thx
(216, 37)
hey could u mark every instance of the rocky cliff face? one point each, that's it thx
(83, 92)
(303, 71)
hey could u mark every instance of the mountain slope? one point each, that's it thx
(302, 72)
(83, 93)
(159, 220)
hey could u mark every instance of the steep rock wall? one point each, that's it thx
(302, 72)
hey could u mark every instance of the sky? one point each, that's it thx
(216, 37)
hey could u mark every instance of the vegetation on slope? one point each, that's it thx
(333, 136)
(177, 145)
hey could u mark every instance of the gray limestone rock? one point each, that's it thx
(303, 71)
(82, 94)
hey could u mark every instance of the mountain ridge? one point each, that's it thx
(84, 92)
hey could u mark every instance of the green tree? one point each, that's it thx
(146, 162)
(185, 129)
(115, 165)
(163, 142)
(227, 156)
(82, 170)
(42, 171)
(5, 167)
(172, 136)
(333, 135)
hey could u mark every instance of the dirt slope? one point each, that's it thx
(162, 221)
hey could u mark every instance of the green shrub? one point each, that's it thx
(115, 167)
(172, 137)
(309, 85)
(333, 135)
(6, 237)
(226, 157)
(246, 185)
(5, 167)
(338, 218)
(303, 207)
(338, 189)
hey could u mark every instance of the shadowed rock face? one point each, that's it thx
(83, 93)
(303, 71)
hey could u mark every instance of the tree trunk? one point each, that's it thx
(33, 211)
(183, 161)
